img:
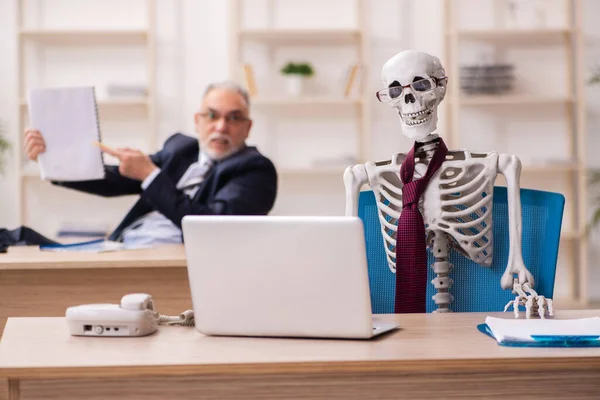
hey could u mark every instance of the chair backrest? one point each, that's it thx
(476, 288)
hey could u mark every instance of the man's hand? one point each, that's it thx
(34, 144)
(133, 163)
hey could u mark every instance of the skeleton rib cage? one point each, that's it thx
(458, 202)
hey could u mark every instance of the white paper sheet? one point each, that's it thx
(524, 329)
(68, 120)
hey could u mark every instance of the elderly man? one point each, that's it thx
(218, 174)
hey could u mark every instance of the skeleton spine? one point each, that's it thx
(442, 267)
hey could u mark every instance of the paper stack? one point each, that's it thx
(584, 332)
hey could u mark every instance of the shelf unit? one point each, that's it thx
(517, 36)
(85, 40)
(311, 171)
(568, 38)
(85, 37)
(143, 103)
(522, 99)
(300, 35)
(278, 37)
(306, 101)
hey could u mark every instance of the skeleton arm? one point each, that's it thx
(510, 167)
(354, 178)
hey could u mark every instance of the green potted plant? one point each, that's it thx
(295, 74)
(4, 147)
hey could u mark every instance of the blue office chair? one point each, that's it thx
(476, 288)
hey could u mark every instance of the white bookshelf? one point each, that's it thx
(36, 39)
(273, 36)
(569, 102)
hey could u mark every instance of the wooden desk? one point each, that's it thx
(36, 283)
(30, 257)
(433, 356)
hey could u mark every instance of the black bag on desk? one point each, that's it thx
(22, 236)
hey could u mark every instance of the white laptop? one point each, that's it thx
(279, 276)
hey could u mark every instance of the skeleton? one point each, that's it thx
(457, 203)
(534, 304)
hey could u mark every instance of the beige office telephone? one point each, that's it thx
(134, 316)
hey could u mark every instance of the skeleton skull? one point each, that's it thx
(416, 84)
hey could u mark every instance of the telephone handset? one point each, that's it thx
(137, 302)
(134, 316)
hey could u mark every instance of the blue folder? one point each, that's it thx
(546, 340)
(93, 246)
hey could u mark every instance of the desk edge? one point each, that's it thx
(524, 365)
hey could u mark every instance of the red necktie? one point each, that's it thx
(411, 248)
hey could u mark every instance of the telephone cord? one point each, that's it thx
(186, 318)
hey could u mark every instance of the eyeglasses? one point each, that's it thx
(233, 118)
(423, 85)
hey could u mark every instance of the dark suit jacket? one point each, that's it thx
(242, 184)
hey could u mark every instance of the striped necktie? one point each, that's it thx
(411, 246)
(195, 174)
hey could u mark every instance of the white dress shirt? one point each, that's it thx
(155, 228)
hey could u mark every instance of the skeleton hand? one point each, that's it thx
(534, 304)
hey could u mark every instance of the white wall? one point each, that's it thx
(592, 61)
(8, 107)
(193, 50)
(46, 205)
(193, 40)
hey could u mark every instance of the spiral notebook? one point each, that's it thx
(68, 120)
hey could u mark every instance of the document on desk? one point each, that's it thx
(93, 246)
(68, 120)
(584, 332)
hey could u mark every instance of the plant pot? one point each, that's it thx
(294, 83)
